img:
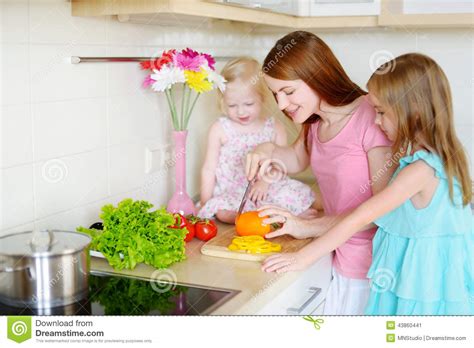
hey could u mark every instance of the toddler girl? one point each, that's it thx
(230, 138)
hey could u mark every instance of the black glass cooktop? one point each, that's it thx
(113, 294)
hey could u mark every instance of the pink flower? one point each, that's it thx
(148, 81)
(190, 53)
(189, 60)
(210, 60)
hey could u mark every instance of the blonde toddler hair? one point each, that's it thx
(248, 71)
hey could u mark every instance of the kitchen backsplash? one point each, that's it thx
(73, 137)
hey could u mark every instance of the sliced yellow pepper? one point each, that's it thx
(233, 247)
(253, 245)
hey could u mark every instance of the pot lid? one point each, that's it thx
(43, 243)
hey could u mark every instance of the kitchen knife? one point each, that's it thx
(244, 199)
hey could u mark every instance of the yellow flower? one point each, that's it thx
(197, 80)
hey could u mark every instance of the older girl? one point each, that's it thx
(423, 260)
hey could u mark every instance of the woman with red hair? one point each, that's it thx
(346, 150)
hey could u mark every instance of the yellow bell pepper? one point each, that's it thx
(253, 245)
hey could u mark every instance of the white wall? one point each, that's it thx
(73, 137)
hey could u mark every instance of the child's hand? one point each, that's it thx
(259, 191)
(285, 262)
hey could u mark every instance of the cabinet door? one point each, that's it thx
(344, 7)
(436, 6)
(290, 7)
(305, 295)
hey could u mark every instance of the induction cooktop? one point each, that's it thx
(117, 294)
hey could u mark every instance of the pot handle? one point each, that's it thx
(37, 243)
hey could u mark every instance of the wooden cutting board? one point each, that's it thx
(218, 246)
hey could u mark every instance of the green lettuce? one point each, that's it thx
(133, 234)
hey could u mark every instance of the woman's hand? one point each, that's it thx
(292, 225)
(256, 158)
(259, 191)
(286, 262)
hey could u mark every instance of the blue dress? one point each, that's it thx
(423, 259)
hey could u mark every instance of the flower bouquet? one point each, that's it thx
(196, 73)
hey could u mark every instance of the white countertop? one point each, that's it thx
(257, 287)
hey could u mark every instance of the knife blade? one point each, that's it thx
(244, 198)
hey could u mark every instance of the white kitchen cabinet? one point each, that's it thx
(427, 13)
(280, 14)
(345, 7)
(306, 295)
(289, 7)
(312, 8)
(435, 6)
(302, 14)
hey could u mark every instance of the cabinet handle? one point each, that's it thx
(297, 311)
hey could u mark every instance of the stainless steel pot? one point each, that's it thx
(44, 269)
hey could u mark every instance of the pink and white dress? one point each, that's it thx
(231, 181)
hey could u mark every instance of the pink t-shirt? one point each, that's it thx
(341, 168)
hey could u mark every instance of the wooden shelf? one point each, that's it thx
(204, 9)
(178, 7)
(199, 10)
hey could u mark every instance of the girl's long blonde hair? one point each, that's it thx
(417, 90)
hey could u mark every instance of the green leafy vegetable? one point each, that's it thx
(133, 234)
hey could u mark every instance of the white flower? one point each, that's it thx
(216, 79)
(166, 77)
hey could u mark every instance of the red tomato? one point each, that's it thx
(206, 229)
(191, 227)
(179, 221)
(191, 232)
(182, 222)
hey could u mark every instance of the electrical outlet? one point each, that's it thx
(153, 159)
(158, 157)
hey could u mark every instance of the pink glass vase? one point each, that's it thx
(180, 202)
